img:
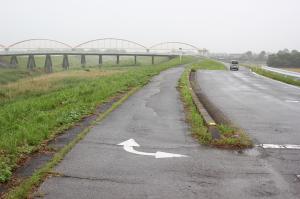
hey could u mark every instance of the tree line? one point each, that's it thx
(284, 58)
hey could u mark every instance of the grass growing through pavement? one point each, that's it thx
(31, 117)
(230, 137)
(276, 76)
(193, 117)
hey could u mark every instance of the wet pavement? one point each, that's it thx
(97, 167)
(268, 110)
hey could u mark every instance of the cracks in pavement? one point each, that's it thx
(145, 147)
(102, 179)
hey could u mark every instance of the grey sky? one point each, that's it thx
(218, 25)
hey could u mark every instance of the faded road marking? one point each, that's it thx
(279, 146)
(292, 101)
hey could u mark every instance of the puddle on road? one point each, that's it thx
(248, 152)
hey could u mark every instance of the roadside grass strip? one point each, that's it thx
(276, 76)
(28, 120)
(231, 137)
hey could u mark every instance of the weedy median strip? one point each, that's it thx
(230, 137)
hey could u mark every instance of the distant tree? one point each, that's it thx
(262, 56)
(249, 54)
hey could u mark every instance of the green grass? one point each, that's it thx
(230, 137)
(8, 75)
(193, 117)
(31, 117)
(276, 76)
(12, 75)
(24, 189)
(208, 64)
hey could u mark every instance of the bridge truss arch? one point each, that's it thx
(39, 45)
(175, 47)
(111, 45)
(2, 47)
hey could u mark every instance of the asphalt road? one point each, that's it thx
(154, 117)
(268, 110)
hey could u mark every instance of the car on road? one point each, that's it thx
(234, 65)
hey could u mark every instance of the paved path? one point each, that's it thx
(98, 168)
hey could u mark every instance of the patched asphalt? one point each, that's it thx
(154, 116)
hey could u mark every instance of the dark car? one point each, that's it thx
(234, 65)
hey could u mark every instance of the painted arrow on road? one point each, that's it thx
(129, 144)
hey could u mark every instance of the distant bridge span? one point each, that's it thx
(159, 45)
(30, 44)
(100, 47)
(111, 43)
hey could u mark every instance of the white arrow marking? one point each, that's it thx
(129, 144)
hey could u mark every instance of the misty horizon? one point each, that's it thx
(221, 27)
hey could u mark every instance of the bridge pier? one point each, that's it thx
(100, 59)
(48, 64)
(65, 63)
(152, 60)
(83, 61)
(31, 62)
(14, 60)
(118, 59)
(135, 58)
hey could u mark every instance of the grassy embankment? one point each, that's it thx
(292, 69)
(276, 76)
(8, 75)
(230, 137)
(35, 109)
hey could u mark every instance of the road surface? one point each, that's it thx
(97, 167)
(268, 110)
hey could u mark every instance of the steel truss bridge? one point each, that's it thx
(98, 47)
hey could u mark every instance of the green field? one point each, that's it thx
(35, 108)
(10, 74)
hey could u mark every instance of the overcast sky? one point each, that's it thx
(218, 25)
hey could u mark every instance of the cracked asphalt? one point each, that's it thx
(154, 116)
